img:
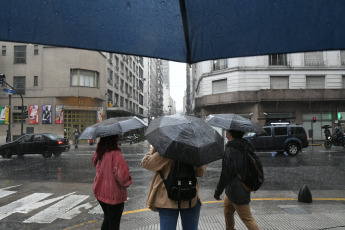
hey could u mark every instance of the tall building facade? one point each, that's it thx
(74, 88)
(282, 88)
(66, 82)
(125, 85)
(153, 97)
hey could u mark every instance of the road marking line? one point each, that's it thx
(22, 203)
(12, 186)
(42, 203)
(205, 202)
(96, 210)
(76, 211)
(55, 211)
(4, 193)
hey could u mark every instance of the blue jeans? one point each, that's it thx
(189, 217)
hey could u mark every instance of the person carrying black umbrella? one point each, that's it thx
(158, 199)
(236, 198)
(327, 133)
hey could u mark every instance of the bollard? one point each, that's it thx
(304, 194)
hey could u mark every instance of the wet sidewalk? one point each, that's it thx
(271, 209)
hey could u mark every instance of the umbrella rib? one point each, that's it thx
(185, 28)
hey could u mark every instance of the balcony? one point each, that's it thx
(314, 63)
(272, 95)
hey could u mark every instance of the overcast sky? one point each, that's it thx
(177, 83)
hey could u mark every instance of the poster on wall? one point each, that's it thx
(99, 114)
(4, 110)
(33, 111)
(59, 114)
(46, 114)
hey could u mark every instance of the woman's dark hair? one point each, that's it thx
(106, 144)
(236, 134)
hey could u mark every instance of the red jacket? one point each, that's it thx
(112, 178)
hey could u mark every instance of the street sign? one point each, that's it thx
(19, 107)
(9, 91)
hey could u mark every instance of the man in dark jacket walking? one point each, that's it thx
(236, 198)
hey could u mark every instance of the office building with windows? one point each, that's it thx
(282, 88)
(65, 89)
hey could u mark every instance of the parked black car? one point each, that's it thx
(38, 143)
(290, 138)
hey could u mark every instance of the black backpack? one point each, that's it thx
(181, 182)
(254, 174)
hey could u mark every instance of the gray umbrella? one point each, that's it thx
(185, 138)
(112, 126)
(230, 121)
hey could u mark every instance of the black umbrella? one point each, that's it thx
(326, 126)
(230, 121)
(180, 30)
(185, 138)
(112, 126)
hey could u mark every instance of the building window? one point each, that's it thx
(121, 101)
(219, 86)
(278, 59)
(279, 82)
(35, 80)
(313, 59)
(87, 78)
(116, 100)
(220, 64)
(110, 96)
(17, 118)
(110, 76)
(3, 50)
(19, 55)
(35, 49)
(342, 57)
(116, 80)
(19, 84)
(315, 82)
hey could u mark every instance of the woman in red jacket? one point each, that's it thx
(111, 181)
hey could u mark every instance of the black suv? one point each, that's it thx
(291, 138)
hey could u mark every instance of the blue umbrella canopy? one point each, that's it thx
(185, 138)
(112, 126)
(186, 30)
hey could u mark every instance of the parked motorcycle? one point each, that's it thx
(132, 139)
(333, 140)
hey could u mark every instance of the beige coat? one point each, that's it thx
(158, 196)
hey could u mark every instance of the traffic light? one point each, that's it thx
(314, 119)
(2, 78)
(26, 114)
(340, 116)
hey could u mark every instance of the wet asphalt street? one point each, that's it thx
(29, 185)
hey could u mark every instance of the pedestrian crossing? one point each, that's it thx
(49, 208)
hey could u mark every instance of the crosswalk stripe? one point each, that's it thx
(4, 193)
(21, 204)
(76, 211)
(36, 205)
(55, 211)
(96, 210)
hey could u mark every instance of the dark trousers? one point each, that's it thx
(112, 215)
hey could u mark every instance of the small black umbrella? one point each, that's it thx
(185, 138)
(112, 126)
(326, 126)
(234, 122)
